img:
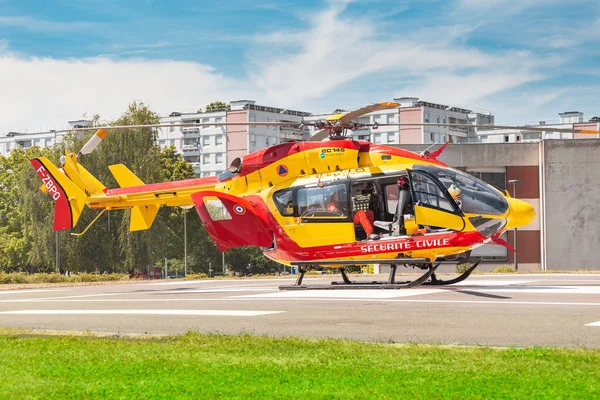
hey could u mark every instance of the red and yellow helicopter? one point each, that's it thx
(330, 203)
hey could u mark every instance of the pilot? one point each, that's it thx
(333, 205)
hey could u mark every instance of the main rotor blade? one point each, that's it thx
(319, 136)
(516, 127)
(365, 110)
(191, 124)
(93, 142)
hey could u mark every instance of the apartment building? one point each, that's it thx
(13, 140)
(567, 120)
(211, 148)
(413, 110)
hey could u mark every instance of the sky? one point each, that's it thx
(523, 60)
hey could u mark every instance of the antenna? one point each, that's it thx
(424, 151)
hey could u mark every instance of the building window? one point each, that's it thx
(432, 137)
(253, 140)
(267, 140)
(391, 137)
(426, 117)
(506, 138)
(172, 129)
(219, 140)
(206, 159)
(376, 138)
(219, 159)
(206, 141)
(518, 138)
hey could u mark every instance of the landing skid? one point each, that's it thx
(438, 282)
(348, 284)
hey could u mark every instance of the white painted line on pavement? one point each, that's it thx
(30, 291)
(594, 324)
(347, 293)
(325, 300)
(488, 282)
(542, 289)
(228, 313)
(219, 290)
(218, 281)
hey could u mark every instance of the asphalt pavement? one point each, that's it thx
(499, 310)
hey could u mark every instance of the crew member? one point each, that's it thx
(456, 194)
(362, 217)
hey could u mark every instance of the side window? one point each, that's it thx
(216, 209)
(284, 200)
(428, 193)
(327, 201)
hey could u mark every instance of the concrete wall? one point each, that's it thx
(485, 154)
(571, 203)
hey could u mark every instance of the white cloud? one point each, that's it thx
(35, 24)
(335, 51)
(42, 93)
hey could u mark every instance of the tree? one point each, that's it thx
(247, 260)
(218, 106)
(25, 213)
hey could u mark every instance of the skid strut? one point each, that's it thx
(348, 284)
(438, 282)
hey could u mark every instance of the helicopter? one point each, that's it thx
(329, 201)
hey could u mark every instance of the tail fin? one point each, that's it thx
(68, 197)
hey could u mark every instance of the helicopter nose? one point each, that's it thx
(521, 213)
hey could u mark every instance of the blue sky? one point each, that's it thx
(523, 60)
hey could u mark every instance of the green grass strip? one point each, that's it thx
(242, 367)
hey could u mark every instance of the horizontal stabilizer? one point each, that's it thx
(142, 217)
(124, 176)
(68, 198)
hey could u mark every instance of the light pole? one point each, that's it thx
(514, 182)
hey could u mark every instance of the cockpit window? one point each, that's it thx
(328, 201)
(472, 195)
(284, 200)
(428, 193)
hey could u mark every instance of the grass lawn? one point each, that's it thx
(213, 366)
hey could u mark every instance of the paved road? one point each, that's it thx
(520, 310)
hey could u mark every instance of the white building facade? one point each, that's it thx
(211, 149)
(14, 140)
(567, 120)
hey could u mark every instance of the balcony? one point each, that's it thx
(190, 129)
(190, 147)
(458, 131)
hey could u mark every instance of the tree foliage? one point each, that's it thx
(217, 106)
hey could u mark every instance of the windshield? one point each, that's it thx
(472, 195)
